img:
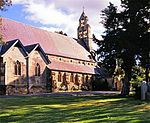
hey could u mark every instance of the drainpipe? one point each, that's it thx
(27, 74)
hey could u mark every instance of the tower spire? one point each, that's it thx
(83, 8)
(84, 32)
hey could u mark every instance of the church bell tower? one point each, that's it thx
(84, 32)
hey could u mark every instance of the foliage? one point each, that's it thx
(126, 37)
(1, 38)
(100, 85)
(61, 32)
(137, 77)
(138, 74)
(4, 4)
(76, 109)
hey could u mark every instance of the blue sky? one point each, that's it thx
(56, 15)
(16, 13)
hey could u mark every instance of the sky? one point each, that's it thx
(57, 15)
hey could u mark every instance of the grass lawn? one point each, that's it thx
(67, 109)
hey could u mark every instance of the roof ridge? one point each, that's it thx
(35, 27)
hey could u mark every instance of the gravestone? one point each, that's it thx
(148, 91)
(143, 90)
(148, 84)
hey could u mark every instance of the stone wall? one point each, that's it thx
(15, 89)
(69, 81)
(36, 58)
(80, 81)
(15, 84)
(83, 81)
(10, 59)
(38, 89)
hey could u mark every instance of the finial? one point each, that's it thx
(83, 8)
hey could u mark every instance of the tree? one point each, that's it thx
(3, 4)
(126, 36)
(61, 32)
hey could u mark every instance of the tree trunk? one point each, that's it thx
(126, 83)
(125, 89)
(146, 74)
(1, 37)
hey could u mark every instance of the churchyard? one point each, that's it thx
(74, 109)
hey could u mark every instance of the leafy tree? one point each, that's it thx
(61, 32)
(3, 4)
(126, 36)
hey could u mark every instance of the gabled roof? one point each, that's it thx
(30, 48)
(52, 43)
(33, 47)
(1, 46)
(7, 46)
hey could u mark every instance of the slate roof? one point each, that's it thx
(52, 43)
(30, 48)
(5, 47)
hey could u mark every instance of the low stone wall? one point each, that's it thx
(38, 89)
(11, 90)
(70, 87)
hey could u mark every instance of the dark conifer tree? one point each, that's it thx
(126, 36)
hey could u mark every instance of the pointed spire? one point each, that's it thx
(83, 14)
(83, 8)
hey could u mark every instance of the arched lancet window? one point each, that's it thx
(76, 79)
(92, 78)
(82, 78)
(64, 78)
(87, 78)
(37, 70)
(71, 78)
(59, 77)
(17, 68)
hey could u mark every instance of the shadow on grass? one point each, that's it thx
(81, 109)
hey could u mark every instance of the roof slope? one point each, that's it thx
(5, 47)
(33, 47)
(52, 43)
(56, 65)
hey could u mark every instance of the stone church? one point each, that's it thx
(33, 60)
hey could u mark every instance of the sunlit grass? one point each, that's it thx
(79, 109)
